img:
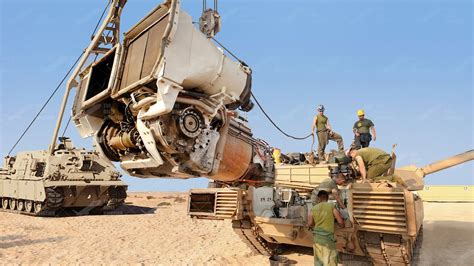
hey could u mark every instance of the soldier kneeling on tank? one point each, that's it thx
(372, 162)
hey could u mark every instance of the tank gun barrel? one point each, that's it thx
(448, 162)
(413, 176)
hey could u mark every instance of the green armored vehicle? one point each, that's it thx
(41, 183)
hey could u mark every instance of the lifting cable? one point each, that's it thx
(58, 86)
(67, 125)
(227, 50)
(260, 106)
(204, 5)
(274, 124)
(44, 105)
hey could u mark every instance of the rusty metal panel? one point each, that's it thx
(236, 159)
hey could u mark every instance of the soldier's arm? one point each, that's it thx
(328, 126)
(310, 220)
(373, 132)
(338, 217)
(314, 196)
(354, 129)
(315, 120)
(361, 165)
(336, 195)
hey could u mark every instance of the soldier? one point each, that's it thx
(372, 162)
(362, 129)
(324, 131)
(322, 221)
(330, 186)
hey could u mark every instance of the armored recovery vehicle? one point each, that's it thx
(40, 183)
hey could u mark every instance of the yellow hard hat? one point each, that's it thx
(360, 112)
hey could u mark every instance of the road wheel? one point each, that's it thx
(13, 203)
(28, 206)
(5, 203)
(38, 207)
(21, 205)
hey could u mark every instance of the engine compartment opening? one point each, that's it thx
(202, 203)
(100, 76)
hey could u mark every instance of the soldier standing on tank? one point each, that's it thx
(362, 129)
(372, 162)
(322, 221)
(324, 132)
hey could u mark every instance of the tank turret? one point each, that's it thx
(413, 177)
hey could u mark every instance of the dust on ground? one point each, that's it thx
(157, 230)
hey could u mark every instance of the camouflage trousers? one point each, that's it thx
(377, 169)
(323, 139)
(324, 255)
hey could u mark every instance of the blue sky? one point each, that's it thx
(409, 64)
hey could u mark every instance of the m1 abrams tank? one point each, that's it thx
(384, 219)
(39, 183)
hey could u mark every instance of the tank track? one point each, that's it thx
(51, 206)
(248, 233)
(390, 249)
(52, 203)
(417, 250)
(353, 260)
(54, 199)
(117, 198)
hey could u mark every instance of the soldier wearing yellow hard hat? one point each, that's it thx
(362, 129)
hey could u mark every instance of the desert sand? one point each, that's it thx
(157, 230)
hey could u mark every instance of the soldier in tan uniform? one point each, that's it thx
(324, 132)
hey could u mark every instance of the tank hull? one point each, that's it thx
(383, 224)
(375, 213)
(38, 183)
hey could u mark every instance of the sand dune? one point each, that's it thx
(157, 230)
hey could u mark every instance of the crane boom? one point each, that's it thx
(100, 44)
